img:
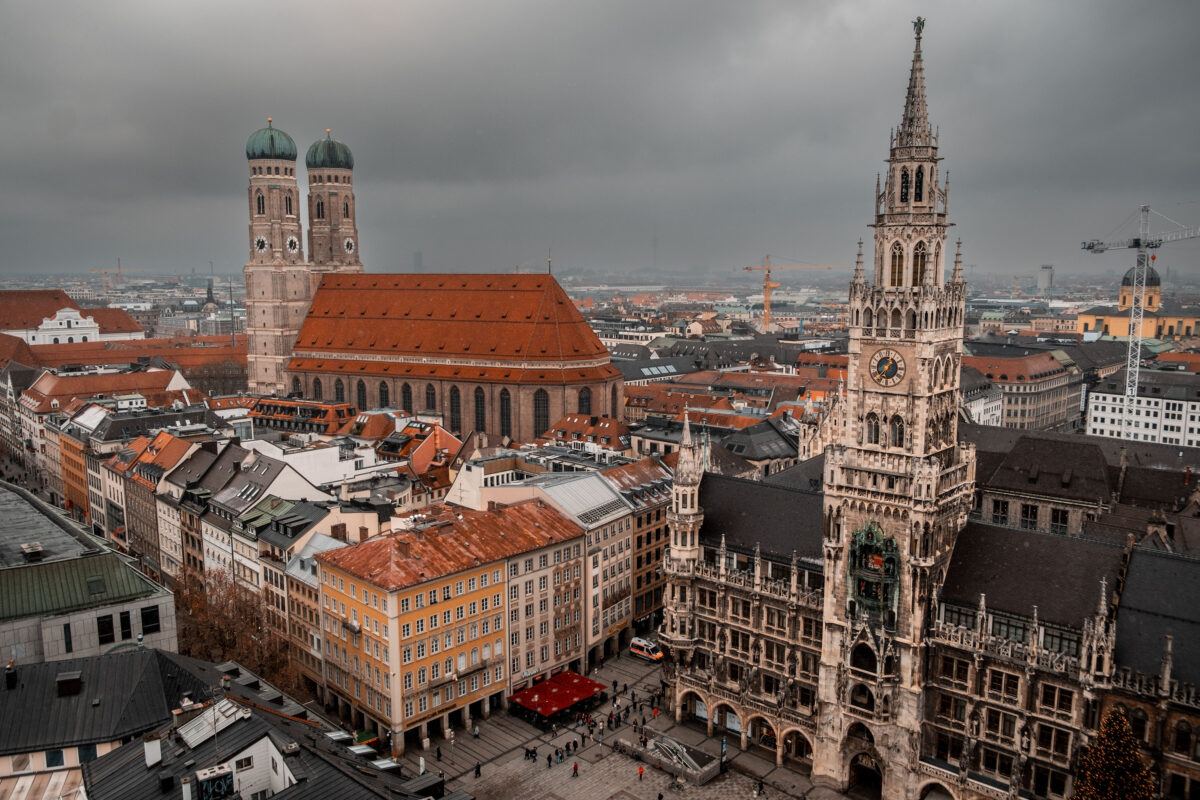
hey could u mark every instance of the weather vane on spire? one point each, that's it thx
(919, 25)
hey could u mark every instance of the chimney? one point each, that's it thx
(403, 548)
(152, 747)
(10, 676)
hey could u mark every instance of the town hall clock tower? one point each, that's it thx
(898, 487)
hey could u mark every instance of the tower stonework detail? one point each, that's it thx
(280, 282)
(899, 486)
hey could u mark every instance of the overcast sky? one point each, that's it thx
(486, 132)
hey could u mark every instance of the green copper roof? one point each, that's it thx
(270, 142)
(329, 153)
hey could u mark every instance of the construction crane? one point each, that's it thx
(1144, 242)
(768, 285)
(103, 273)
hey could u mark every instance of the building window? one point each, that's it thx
(430, 397)
(1059, 520)
(54, 758)
(86, 752)
(999, 512)
(68, 646)
(345, 209)
(919, 258)
(339, 391)
(360, 392)
(150, 621)
(872, 429)
(297, 389)
(320, 209)
(919, 185)
(455, 410)
(585, 400)
(287, 202)
(383, 394)
(406, 398)
(897, 273)
(614, 411)
(904, 184)
(104, 628)
(541, 412)
(126, 626)
(1029, 514)
(505, 414)
(317, 392)
(480, 410)
(897, 432)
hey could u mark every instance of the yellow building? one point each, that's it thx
(413, 622)
(1162, 319)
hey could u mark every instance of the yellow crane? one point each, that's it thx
(768, 284)
(103, 273)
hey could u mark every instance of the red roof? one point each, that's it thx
(516, 318)
(153, 385)
(186, 353)
(560, 691)
(112, 320)
(13, 348)
(26, 308)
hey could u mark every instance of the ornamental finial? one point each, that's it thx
(919, 25)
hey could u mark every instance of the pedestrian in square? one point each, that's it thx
(641, 771)
(478, 769)
(656, 713)
(438, 753)
(762, 788)
(549, 761)
(575, 770)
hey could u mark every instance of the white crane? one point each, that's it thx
(1144, 242)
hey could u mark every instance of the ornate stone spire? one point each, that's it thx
(859, 277)
(957, 275)
(914, 127)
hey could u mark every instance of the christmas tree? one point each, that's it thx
(1112, 768)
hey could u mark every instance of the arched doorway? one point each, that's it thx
(866, 779)
(935, 791)
(725, 718)
(693, 707)
(797, 752)
(761, 733)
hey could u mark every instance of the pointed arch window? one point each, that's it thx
(287, 202)
(346, 209)
(455, 409)
(360, 392)
(897, 264)
(505, 413)
(480, 410)
(613, 402)
(339, 391)
(585, 400)
(897, 432)
(872, 425)
(919, 185)
(383, 394)
(904, 184)
(320, 209)
(296, 388)
(406, 398)
(920, 255)
(430, 397)
(260, 204)
(318, 393)
(541, 412)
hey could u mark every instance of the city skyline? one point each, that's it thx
(619, 137)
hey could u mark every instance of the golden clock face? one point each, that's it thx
(887, 367)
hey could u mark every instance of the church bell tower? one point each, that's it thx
(898, 488)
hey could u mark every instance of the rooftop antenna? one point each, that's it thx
(549, 263)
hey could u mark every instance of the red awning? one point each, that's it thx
(558, 692)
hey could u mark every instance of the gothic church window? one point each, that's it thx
(904, 184)
(296, 389)
(455, 409)
(897, 432)
(260, 204)
(339, 391)
(360, 392)
(919, 186)
(320, 209)
(317, 393)
(919, 257)
(505, 413)
(383, 394)
(287, 202)
(406, 398)
(585, 400)
(872, 429)
(541, 412)
(346, 209)
(897, 264)
(430, 397)
(480, 410)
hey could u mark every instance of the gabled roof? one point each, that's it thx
(781, 519)
(61, 587)
(514, 318)
(1161, 598)
(21, 309)
(122, 695)
(154, 385)
(113, 320)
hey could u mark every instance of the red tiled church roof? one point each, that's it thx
(112, 320)
(510, 317)
(26, 308)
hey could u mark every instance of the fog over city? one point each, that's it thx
(683, 135)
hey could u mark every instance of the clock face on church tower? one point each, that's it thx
(293, 244)
(887, 367)
(260, 244)
(348, 245)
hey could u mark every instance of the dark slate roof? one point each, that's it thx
(990, 438)
(194, 466)
(774, 437)
(655, 369)
(136, 691)
(1161, 597)
(807, 475)
(283, 531)
(65, 586)
(779, 518)
(1072, 469)
(27, 519)
(1020, 569)
(131, 424)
